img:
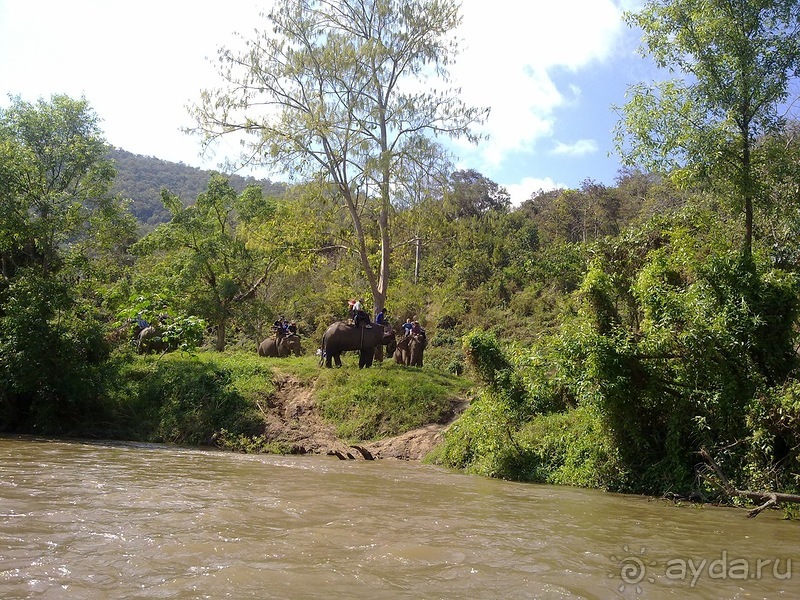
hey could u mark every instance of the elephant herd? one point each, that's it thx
(369, 340)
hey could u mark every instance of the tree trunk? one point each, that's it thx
(747, 189)
(220, 344)
(417, 255)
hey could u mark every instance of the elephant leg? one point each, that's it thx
(337, 358)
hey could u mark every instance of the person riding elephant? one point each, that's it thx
(281, 347)
(342, 337)
(359, 315)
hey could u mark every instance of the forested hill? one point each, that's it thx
(141, 179)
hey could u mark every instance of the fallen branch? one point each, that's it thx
(769, 499)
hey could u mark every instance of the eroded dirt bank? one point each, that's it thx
(292, 418)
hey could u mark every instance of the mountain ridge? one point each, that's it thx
(141, 178)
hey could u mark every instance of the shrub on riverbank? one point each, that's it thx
(186, 399)
(674, 346)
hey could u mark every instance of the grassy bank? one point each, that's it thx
(188, 399)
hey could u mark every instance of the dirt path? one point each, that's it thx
(291, 418)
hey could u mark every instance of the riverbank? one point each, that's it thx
(293, 420)
(246, 403)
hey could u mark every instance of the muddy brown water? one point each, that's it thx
(106, 520)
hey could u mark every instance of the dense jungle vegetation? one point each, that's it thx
(609, 332)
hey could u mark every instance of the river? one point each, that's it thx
(115, 520)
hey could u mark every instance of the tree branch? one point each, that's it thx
(771, 498)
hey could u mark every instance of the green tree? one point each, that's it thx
(472, 194)
(206, 252)
(779, 217)
(738, 58)
(54, 181)
(331, 90)
(54, 170)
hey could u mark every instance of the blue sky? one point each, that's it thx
(549, 71)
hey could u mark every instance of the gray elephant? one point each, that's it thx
(150, 340)
(281, 347)
(342, 337)
(410, 350)
(388, 345)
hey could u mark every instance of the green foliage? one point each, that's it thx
(481, 441)
(570, 448)
(179, 332)
(54, 167)
(526, 440)
(52, 357)
(205, 256)
(675, 341)
(770, 459)
(485, 356)
(672, 346)
(738, 60)
(182, 400)
(55, 231)
(379, 402)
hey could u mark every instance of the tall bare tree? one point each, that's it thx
(343, 91)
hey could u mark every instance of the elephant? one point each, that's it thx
(281, 347)
(410, 349)
(388, 345)
(341, 337)
(150, 340)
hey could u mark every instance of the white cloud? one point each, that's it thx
(509, 48)
(528, 186)
(138, 64)
(579, 148)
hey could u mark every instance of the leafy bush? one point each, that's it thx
(570, 448)
(564, 448)
(52, 356)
